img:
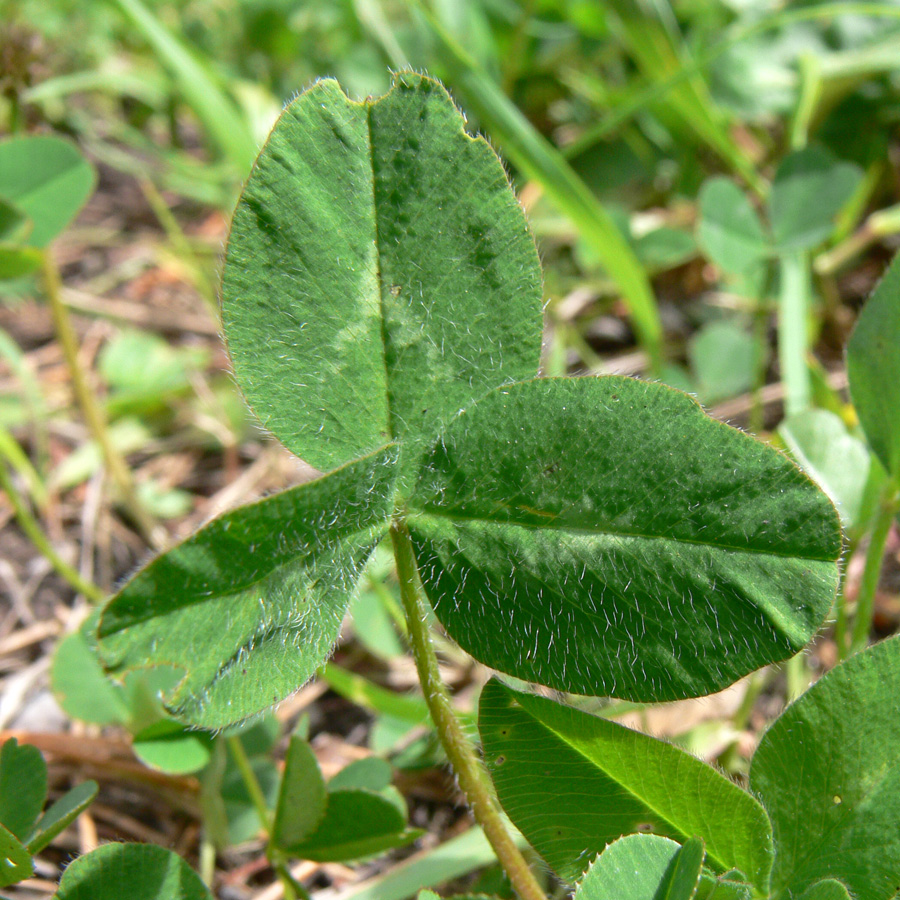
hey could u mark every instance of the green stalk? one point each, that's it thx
(473, 779)
(91, 411)
(251, 782)
(257, 798)
(35, 534)
(865, 604)
(794, 311)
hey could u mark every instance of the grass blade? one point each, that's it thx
(224, 125)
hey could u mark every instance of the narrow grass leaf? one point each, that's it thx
(810, 187)
(48, 180)
(380, 274)
(150, 873)
(644, 867)
(301, 797)
(225, 127)
(572, 782)
(827, 773)
(605, 536)
(452, 859)
(730, 232)
(23, 786)
(873, 367)
(247, 609)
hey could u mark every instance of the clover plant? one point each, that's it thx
(597, 536)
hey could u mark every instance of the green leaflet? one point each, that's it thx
(247, 609)
(810, 187)
(730, 232)
(644, 867)
(15, 861)
(48, 180)
(380, 274)
(301, 797)
(834, 458)
(873, 366)
(23, 787)
(149, 872)
(356, 824)
(604, 536)
(572, 782)
(60, 815)
(827, 773)
(828, 889)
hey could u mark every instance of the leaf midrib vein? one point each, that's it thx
(379, 280)
(426, 512)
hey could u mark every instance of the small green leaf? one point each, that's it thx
(604, 536)
(168, 746)
(371, 774)
(730, 232)
(301, 798)
(48, 179)
(23, 786)
(380, 273)
(246, 610)
(832, 457)
(356, 824)
(827, 889)
(644, 867)
(60, 815)
(827, 773)
(149, 872)
(572, 782)
(725, 359)
(729, 886)
(14, 224)
(80, 685)
(873, 367)
(15, 863)
(16, 261)
(810, 188)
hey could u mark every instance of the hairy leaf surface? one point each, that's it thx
(604, 536)
(572, 782)
(380, 274)
(248, 608)
(827, 773)
(147, 871)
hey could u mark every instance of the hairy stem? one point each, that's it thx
(865, 604)
(91, 411)
(36, 535)
(473, 779)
